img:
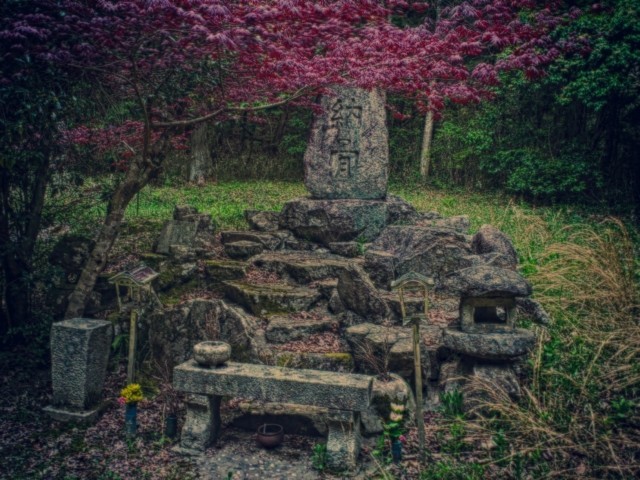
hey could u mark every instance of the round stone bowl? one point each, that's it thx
(270, 435)
(211, 354)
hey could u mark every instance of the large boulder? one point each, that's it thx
(358, 294)
(485, 281)
(348, 152)
(328, 221)
(433, 252)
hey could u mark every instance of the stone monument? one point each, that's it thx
(79, 356)
(346, 171)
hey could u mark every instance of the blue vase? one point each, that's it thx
(396, 450)
(131, 418)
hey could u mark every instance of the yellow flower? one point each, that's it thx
(132, 393)
(397, 407)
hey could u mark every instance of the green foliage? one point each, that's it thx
(319, 457)
(452, 470)
(452, 404)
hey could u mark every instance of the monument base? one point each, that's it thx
(328, 221)
(68, 414)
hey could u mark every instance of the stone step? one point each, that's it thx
(288, 328)
(271, 297)
(220, 270)
(304, 267)
(269, 240)
(243, 249)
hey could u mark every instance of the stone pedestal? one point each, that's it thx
(343, 442)
(348, 153)
(202, 423)
(79, 356)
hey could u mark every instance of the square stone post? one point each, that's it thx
(343, 442)
(202, 423)
(79, 356)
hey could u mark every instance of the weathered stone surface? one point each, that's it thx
(332, 361)
(486, 281)
(176, 232)
(348, 152)
(286, 328)
(345, 249)
(430, 251)
(273, 240)
(79, 355)
(489, 239)
(335, 304)
(400, 211)
(328, 221)
(295, 419)
(218, 271)
(62, 414)
(276, 384)
(266, 298)
(381, 349)
(262, 221)
(173, 332)
(242, 331)
(303, 267)
(359, 294)
(202, 423)
(243, 249)
(533, 309)
(190, 214)
(490, 346)
(498, 376)
(343, 441)
(459, 223)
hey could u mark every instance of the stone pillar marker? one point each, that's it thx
(79, 356)
(348, 152)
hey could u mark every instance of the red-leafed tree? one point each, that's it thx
(179, 63)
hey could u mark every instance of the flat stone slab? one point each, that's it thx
(340, 391)
(62, 414)
(348, 151)
(487, 281)
(269, 240)
(271, 297)
(495, 346)
(243, 249)
(176, 232)
(304, 267)
(285, 328)
(220, 270)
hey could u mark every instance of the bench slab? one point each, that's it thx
(341, 391)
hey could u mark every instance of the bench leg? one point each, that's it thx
(202, 424)
(343, 444)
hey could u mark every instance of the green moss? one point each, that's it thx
(172, 297)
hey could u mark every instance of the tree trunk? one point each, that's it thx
(425, 152)
(135, 179)
(200, 167)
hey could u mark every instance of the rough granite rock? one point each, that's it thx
(489, 239)
(399, 211)
(348, 152)
(243, 249)
(271, 298)
(490, 346)
(359, 294)
(79, 354)
(328, 221)
(433, 252)
(303, 267)
(345, 249)
(273, 240)
(285, 328)
(498, 376)
(486, 281)
(261, 220)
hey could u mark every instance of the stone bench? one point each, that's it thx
(344, 395)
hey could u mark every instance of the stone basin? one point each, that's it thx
(490, 346)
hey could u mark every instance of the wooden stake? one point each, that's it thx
(131, 367)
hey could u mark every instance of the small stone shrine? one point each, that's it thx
(79, 355)
(310, 287)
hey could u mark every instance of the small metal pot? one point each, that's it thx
(270, 435)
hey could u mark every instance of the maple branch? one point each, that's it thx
(209, 116)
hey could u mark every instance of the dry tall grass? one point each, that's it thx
(580, 416)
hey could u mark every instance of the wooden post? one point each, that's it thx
(131, 366)
(418, 375)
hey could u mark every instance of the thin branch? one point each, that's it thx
(204, 118)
